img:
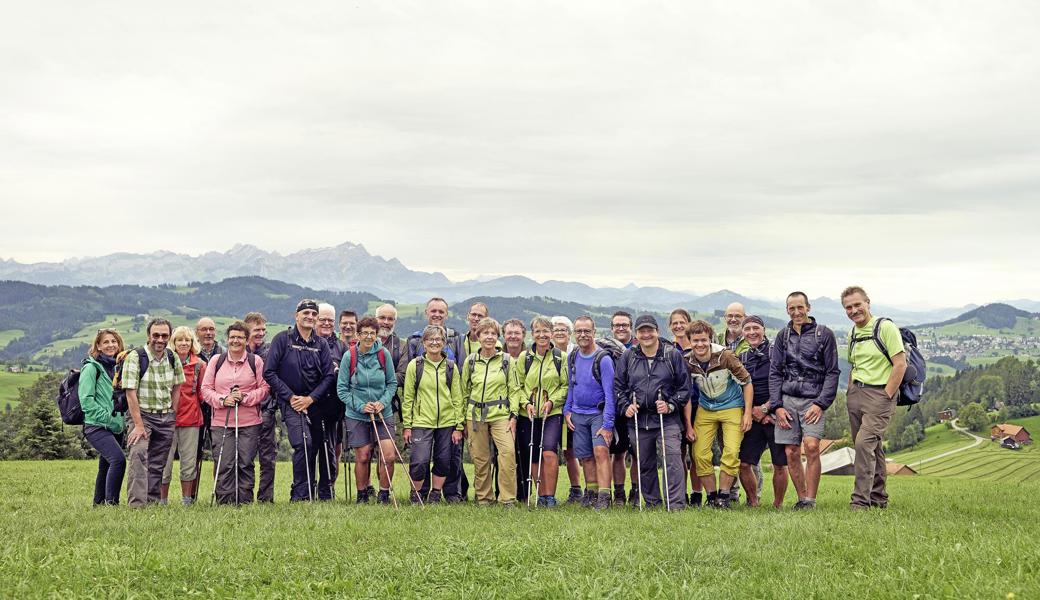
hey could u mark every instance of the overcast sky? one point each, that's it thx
(759, 147)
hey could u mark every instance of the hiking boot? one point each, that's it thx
(602, 501)
(805, 505)
(589, 498)
(695, 499)
(547, 501)
(858, 507)
(633, 497)
(436, 496)
(619, 497)
(187, 501)
(881, 505)
(383, 497)
(723, 501)
(575, 496)
(362, 497)
(413, 497)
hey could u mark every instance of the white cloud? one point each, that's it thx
(599, 142)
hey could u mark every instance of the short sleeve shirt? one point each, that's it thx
(869, 364)
(154, 390)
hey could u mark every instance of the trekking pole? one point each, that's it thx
(346, 457)
(304, 429)
(382, 458)
(220, 455)
(237, 500)
(398, 452)
(639, 466)
(664, 455)
(541, 448)
(326, 451)
(530, 461)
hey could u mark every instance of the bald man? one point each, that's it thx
(733, 337)
(206, 331)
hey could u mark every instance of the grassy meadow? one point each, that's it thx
(10, 383)
(940, 538)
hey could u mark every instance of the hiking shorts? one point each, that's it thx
(585, 438)
(360, 434)
(755, 442)
(621, 442)
(796, 409)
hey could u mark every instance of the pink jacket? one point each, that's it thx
(218, 385)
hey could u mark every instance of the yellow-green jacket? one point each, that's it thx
(435, 403)
(542, 374)
(490, 393)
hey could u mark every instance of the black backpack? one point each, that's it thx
(118, 391)
(68, 399)
(505, 365)
(604, 347)
(448, 375)
(557, 356)
(912, 387)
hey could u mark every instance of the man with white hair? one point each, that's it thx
(331, 411)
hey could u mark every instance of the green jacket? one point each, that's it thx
(434, 404)
(487, 393)
(543, 376)
(95, 398)
(741, 347)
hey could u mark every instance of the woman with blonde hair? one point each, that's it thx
(188, 418)
(102, 426)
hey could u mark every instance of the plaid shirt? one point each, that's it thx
(154, 390)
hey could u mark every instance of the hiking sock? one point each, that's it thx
(592, 487)
(575, 489)
(695, 498)
(619, 490)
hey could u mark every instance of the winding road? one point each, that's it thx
(976, 440)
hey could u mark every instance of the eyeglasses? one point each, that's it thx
(367, 334)
(621, 326)
(160, 336)
(435, 340)
(559, 331)
(326, 320)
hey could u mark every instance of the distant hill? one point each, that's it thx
(349, 266)
(993, 316)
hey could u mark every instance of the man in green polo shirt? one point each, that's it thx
(873, 390)
(151, 395)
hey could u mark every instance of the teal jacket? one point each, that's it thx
(95, 397)
(370, 383)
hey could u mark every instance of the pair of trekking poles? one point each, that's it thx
(664, 454)
(220, 455)
(382, 460)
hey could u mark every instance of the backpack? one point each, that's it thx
(604, 347)
(354, 358)
(505, 365)
(118, 392)
(557, 360)
(912, 387)
(68, 399)
(448, 375)
(221, 358)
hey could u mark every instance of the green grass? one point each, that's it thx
(9, 335)
(989, 462)
(936, 540)
(133, 332)
(10, 383)
(1023, 327)
(937, 439)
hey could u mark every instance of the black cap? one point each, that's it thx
(305, 304)
(646, 321)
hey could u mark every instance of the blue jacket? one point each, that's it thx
(370, 383)
(295, 367)
(667, 375)
(804, 365)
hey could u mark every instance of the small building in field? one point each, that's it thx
(895, 468)
(838, 462)
(946, 415)
(1016, 432)
(825, 446)
(1010, 443)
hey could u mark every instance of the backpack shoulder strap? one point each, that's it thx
(572, 361)
(220, 363)
(558, 359)
(381, 357)
(419, 360)
(505, 367)
(472, 364)
(877, 337)
(170, 358)
(528, 361)
(251, 359)
(353, 361)
(449, 373)
(142, 362)
(198, 384)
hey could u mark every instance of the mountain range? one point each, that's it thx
(350, 267)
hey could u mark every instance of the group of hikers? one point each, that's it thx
(677, 408)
